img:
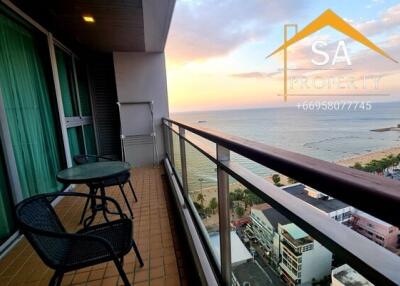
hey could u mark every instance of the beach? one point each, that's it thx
(368, 157)
(211, 192)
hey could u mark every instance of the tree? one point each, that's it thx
(239, 211)
(358, 166)
(201, 199)
(198, 206)
(378, 166)
(276, 179)
(232, 198)
(247, 201)
(238, 194)
(255, 200)
(213, 205)
(208, 211)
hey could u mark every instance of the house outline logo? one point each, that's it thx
(327, 18)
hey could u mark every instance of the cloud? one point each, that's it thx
(210, 28)
(387, 21)
(255, 75)
(300, 55)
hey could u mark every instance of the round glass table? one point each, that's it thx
(93, 175)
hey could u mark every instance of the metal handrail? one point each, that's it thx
(371, 193)
(374, 262)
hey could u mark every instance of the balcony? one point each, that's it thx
(84, 72)
(293, 250)
(185, 141)
(154, 231)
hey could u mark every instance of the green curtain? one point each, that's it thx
(6, 217)
(29, 114)
(84, 96)
(75, 141)
(90, 139)
(64, 74)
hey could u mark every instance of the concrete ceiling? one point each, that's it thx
(120, 25)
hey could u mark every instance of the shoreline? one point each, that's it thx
(346, 162)
(211, 192)
(368, 157)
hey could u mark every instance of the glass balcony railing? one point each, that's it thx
(245, 229)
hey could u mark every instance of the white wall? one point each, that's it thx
(141, 77)
(316, 263)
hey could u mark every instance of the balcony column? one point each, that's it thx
(183, 160)
(223, 154)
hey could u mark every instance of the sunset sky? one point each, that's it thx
(216, 51)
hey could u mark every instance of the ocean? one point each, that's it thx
(327, 135)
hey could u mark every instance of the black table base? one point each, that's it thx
(95, 207)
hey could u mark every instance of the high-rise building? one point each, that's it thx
(375, 229)
(303, 259)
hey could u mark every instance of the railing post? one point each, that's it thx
(167, 148)
(171, 143)
(183, 160)
(223, 154)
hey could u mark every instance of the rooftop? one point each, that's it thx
(294, 231)
(240, 254)
(325, 205)
(261, 207)
(371, 218)
(275, 217)
(349, 277)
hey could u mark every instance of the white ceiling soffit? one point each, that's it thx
(157, 17)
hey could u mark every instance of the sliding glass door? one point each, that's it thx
(28, 104)
(76, 102)
(85, 107)
(28, 108)
(7, 226)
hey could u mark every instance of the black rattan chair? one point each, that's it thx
(63, 251)
(120, 181)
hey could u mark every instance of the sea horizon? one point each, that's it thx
(284, 106)
(329, 136)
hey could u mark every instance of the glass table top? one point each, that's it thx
(93, 172)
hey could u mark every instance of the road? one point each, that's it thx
(274, 277)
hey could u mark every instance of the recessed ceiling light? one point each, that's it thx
(88, 18)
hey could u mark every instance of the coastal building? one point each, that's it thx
(239, 253)
(333, 208)
(264, 227)
(64, 66)
(347, 276)
(375, 229)
(304, 260)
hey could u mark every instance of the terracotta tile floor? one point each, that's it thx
(154, 232)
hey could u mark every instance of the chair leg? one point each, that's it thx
(137, 253)
(121, 272)
(133, 191)
(121, 187)
(56, 279)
